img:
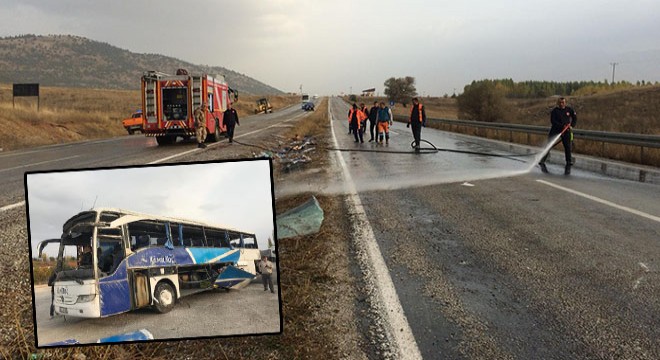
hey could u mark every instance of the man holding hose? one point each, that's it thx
(562, 119)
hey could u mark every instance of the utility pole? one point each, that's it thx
(614, 64)
(300, 89)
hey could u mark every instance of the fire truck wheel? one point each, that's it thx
(131, 131)
(165, 140)
(216, 135)
(164, 297)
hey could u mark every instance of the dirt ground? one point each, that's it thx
(320, 294)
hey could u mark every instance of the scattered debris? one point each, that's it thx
(138, 335)
(294, 155)
(302, 220)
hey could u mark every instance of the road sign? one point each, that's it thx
(25, 90)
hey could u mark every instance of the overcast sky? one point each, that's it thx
(233, 194)
(333, 46)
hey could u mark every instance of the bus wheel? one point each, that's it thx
(164, 297)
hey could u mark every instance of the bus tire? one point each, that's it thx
(164, 297)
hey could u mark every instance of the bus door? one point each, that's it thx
(114, 289)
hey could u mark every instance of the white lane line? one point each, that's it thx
(399, 332)
(602, 201)
(39, 163)
(12, 206)
(236, 137)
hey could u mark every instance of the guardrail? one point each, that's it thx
(639, 140)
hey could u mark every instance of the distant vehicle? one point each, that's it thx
(316, 96)
(263, 106)
(139, 260)
(168, 103)
(305, 98)
(133, 123)
(308, 106)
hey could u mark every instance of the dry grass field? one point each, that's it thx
(76, 114)
(635, 110)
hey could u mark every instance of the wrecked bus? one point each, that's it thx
(126, 260)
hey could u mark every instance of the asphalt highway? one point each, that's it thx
(486, 257)
(490, 258)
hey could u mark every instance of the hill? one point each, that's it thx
(633, 110)
(72, 61)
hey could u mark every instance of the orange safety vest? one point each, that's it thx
(419, 109)
(360, 116)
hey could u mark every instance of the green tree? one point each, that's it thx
(400, 90)
(482, 101)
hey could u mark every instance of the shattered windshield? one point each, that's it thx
(75, 258)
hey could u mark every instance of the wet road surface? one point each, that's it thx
(510, 266)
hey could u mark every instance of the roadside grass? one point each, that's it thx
(75, 114)
(246, 103)
(63, 115)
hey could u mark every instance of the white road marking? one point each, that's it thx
(39, 163)
(236, 137)
(399, 331)
(21, 203)
(12, 206)
(602, 201)
(639, 281)
(467, 184)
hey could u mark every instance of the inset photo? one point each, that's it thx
(161, 252)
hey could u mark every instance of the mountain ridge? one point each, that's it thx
(74, 61)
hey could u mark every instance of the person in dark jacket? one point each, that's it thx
(562, 119)
(355, 119)
(417, 120)
(373, 114)
(231, 119)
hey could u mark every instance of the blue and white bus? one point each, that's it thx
(126, 260)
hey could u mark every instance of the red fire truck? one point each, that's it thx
(168, 102)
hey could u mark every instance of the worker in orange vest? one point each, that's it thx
(355, 119)
(365, 112)
(417, 120)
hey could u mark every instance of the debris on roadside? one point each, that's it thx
(302, 220)
(293, 155)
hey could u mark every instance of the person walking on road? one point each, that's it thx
(384, 119)
(200, 124)
(355, 118)
(373, 114)
(417, 120)
(230, 119)
(562, 120)
(266, 270)
(365, 116)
